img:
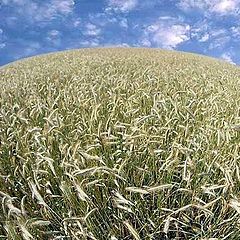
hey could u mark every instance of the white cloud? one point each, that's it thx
(28, 48)
(225, 6)
(91, 30)
(235, 31)
(219, 38)
(89, 43)
(204, 38)
(54, 33)
(42, 10)
(122, 5)
(104, 19)
(219, 43)
(228, 58)
(63, 6)
(2, 45)
(207, 32)
(218, 32)
(199, 29)
(171, 36)
(189, 4)
(76, 22)
(117, 45)
(54, 38)
(123, 23)
(145, 42)
(166, 33)
(220, 7)
(52, 9)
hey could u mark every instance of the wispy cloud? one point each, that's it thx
(76, 22)
(42, 10)
(235, 31)
(166, 32)
(118, 45)
(123, 23)
(54, 33)
(122, 5)
(226, 7)
(228, 58)
(204, 38)
(54, 38)
(214, 36)
(220, 7)
(103, 19)
(91, 30)
(63, 6)
(88, 43)
(2, 43)
(28, 48)
(219, 38)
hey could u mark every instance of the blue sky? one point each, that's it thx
(31, 27)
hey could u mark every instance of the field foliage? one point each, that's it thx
(119, 144)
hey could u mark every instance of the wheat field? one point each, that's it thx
(120, 144)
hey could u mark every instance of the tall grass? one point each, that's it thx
(119, 144)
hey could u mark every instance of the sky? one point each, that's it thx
(32, 27)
